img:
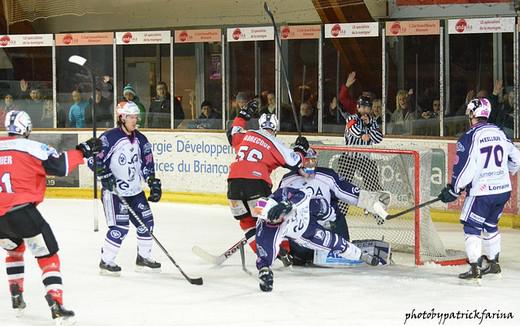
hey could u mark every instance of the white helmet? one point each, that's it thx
(18, 123)
(268, 121)
(127, 108)
(480, 107)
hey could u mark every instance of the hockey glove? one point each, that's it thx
(248, 110)
(155, 189)
(448, 194)
(275, 214)
(108, 181)
(90, 147)
(301, 145)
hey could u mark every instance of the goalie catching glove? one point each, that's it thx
(375, 203)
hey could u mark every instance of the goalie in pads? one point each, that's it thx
(292, 213)
(325, 184)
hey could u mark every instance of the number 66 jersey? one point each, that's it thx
(485, 157)
(258, 153)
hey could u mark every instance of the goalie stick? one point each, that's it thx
(218, 260)
(196, 281)
(411, 209)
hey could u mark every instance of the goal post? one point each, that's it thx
(406, 175)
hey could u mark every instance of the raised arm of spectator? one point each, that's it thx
(347, 102)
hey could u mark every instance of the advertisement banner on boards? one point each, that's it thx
(241, 34)
(300, 32)
(351, 30)
(61, 142)
(25, 40)
(198, 36)
(406, 28)
(72, 39)
(148, 37)
(481, 25)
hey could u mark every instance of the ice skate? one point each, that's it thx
(60, 315)
(473, 274)
(147, 265)
(265, 275)
(17, 300)
(108, 269)
(285, 257)
(490, 267)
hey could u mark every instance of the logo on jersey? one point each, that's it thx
(147, 148)
(319, 235)
(142, 229)
(460, 147)
(116, 234)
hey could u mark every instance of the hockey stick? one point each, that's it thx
(218, 260)
(411, 209)
(196, 281)
(284, 68)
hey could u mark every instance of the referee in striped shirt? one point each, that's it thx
(361, 130)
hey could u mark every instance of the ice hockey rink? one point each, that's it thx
(301, 296)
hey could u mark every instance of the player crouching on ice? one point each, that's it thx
(24, 164)
(292, 213)
(325, 184)
(124, 162)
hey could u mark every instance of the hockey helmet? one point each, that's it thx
(364, 101)
(310, 161)
(18, 123)
(480, 107)
(127, 108)
(268, 121)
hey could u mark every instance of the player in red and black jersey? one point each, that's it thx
(258, 153)
(24, 164)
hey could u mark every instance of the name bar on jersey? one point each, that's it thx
(241, 34)
(404, 28)
(25, 40)
(351, 30)
(71, 39)
(300, 32)
(198, 36)
(148, 37)
(481, 25)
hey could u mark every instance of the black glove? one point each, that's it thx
(301, 145)
(248, 110)
(448, 194)
(89, 147)
(155, 189)
(275, 212)
(108, 181)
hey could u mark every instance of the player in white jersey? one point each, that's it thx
(124, 163)
(485, 159)
(325, 184)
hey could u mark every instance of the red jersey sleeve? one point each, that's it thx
(348, 103)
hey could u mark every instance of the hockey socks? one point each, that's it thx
(51, 276)
(15, 267)
(248, 225)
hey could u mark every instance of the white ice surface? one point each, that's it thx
(302, 296)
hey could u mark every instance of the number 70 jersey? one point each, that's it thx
(485, 157)
(258, 153)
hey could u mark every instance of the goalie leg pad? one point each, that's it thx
(377, 248)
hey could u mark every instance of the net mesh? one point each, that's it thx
(393, 171)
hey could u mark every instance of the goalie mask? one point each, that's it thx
(310, 161)
(480, 107)
(268, 121)
(18, 123)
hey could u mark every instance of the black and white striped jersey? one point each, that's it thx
(355, 129)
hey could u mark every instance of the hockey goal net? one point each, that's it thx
(406, 175)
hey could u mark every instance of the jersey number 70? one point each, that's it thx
(498, 153)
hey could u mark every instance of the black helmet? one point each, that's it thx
(364, 101)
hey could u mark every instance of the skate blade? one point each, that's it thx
(493, 276)
(147, 270)
(104, 272)
(19, 312)
(65, 321)
(471, 282)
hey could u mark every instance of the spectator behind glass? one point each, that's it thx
(308, 118)
(159, 114)
(271, 105)
(48, 114)
(401, 119)
(130, 95)
(77, 110)
(377, 112)
(331, 114)
(431, 127)
(33, 104)
(7, 106)
(208, 118)
(104, 112)
(502, 108)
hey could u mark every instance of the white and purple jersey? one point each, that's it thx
(485, 157)
(325, 185)
(129, 158)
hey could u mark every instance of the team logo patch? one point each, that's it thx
(142, 229)
(116, 234)
(460, 147)
(320, 235)
(122, 159)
